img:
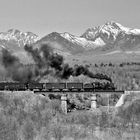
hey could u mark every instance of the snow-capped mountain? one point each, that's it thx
(83, 41)
(16, 38)
(114, 35)
(61, 44)
(111, 30)
(110, 36)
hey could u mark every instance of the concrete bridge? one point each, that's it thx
(93, 97)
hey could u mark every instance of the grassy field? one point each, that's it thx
(97, 58)
(26, 116)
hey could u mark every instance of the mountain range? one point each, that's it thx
(108, 38)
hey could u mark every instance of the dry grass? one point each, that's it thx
(26, 116)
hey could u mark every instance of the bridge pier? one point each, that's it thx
(93, 101)
(64, 103)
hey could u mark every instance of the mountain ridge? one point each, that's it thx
(16, 38)
(108, 37)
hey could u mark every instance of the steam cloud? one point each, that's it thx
(46, 63)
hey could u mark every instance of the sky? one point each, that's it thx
(74, 16)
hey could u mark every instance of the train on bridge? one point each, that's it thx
(69, 86)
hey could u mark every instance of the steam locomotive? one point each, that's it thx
(34, 86)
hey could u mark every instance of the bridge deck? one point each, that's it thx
(80, 92)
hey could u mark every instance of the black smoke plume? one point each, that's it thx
(46, 63)
(15, 70)
(35, 54)
(9, 60)
(53, 63)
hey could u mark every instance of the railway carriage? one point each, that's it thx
(75, 86)
(55, 86)
(2, 85)
(15, 86)
(35, 86)
(70, 86)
